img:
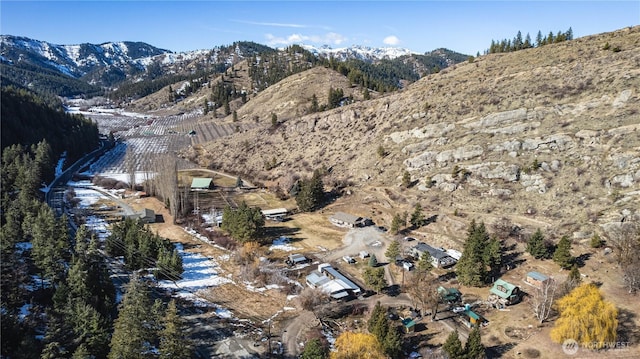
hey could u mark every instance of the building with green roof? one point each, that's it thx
(503, 293)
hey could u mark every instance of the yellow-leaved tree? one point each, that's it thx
(351, 345)
(586, 318)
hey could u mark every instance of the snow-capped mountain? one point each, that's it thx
(364, 53)
(75, 60)
(90, 68)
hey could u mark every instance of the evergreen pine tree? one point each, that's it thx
(536, 246)
(57, 337)
(314, 349)
(471, 268)
(311, 193)
(314, 104)
(424, 262)
(378, 324)
(89, 328)
(50, 244)
(527, 42)
(393, 251)
(517, 41)
(374, 277)
(453, 347)
(596, 241)
(550, 38)
(173, 342)
(539, 39)
(82, 352)
(562, 254)
(574, 276)
(396, 223)
(373, 261)
(132, 330)
(492, 257)
(417, 217)
(406, 179)
(392, 343)
(473, 347)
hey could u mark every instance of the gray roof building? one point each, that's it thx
(332, 282)
(439, 258)
(342, 219)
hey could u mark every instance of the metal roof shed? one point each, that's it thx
(198, 183)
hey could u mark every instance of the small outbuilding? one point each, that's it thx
(201, 184)
(409, 325)
(276, 214)
(296, 259)
(146, 216)
(473, 319)
(536, 279)
(342, 219)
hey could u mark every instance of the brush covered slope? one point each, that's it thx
(551, 134)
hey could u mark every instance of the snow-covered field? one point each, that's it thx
(199, 273)
(88, 194)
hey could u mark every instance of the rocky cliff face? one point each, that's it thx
(552, 133)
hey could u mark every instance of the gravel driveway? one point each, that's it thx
(369, 239)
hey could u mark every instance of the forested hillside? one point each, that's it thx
(27, 120)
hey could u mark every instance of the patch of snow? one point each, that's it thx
(60, 164)
(87, 196)
(23, 246)
(199, 273)
(223, 313)
(24, 311)
(282, 244)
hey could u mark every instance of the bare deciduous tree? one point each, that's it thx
(165, 182)
(130, 163)
(542, 299)
(423, 289)
(625, 239)
(312, 298)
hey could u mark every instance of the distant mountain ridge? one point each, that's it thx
(87, 69)
(76, 60)
(364, 53)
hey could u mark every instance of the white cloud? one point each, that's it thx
(328, 38)
(391, 40)
(275, 24)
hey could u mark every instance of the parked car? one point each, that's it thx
(409, 239)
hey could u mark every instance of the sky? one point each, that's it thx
(420, 26)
